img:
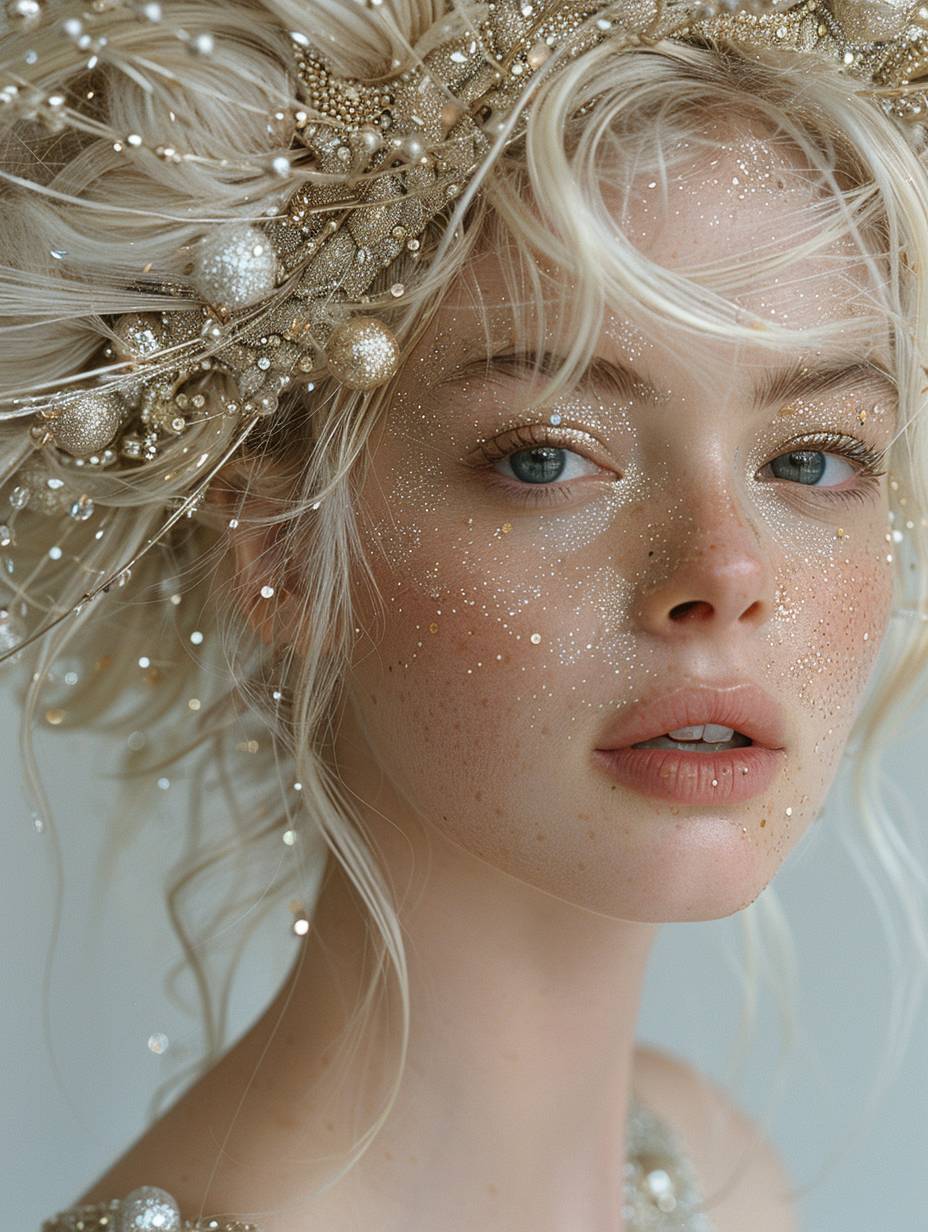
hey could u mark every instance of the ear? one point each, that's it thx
(258, 564)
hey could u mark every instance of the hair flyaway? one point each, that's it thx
(180, 359)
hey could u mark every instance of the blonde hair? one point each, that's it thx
(125, 220)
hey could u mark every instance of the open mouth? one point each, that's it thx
(699, 738)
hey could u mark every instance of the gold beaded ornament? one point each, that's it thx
(269, 300)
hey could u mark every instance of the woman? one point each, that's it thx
(530, 378)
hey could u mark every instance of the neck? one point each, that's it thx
(512, 1110)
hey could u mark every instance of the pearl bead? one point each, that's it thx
(412, 148)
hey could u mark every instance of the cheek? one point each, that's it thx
(834, 612)
(478, 679)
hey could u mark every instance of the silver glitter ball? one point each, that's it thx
(234, 266)
(362, 352)
(148, 1209)
(87, 424)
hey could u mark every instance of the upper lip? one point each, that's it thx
(742, 706)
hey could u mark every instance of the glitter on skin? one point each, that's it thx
(665, 509)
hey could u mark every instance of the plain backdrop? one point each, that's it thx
(66, 1117)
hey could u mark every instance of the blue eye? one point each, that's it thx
(542, 464)
(541, 469)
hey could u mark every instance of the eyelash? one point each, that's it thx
(868, 470)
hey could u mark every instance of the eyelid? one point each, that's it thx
(526, 435)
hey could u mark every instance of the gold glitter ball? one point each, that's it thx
(88, 424)
(362, 353)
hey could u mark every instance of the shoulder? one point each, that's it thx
(742, 1175)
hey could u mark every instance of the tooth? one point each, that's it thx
(689, 733)
(714, 732)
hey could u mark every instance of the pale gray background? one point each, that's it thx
(107, 996)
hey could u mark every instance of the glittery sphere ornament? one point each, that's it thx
(88, 424)
(362, 352)
(875, 21)
(148, 1209)
(139, 335)
(234, 266)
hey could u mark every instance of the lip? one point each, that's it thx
(743, 706)
(726, 777)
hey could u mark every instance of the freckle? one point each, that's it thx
(763, 822)
(498, 811)
(540, 836)
(478, 795)
(591, 833)
(492, 1190)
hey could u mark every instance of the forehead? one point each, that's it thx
(739, 213)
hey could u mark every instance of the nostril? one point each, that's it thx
(692, 608)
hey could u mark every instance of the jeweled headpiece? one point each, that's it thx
(366, 170)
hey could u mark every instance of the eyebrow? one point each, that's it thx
(795, 380)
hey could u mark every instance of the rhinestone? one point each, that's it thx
(81, 509)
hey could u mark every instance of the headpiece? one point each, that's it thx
(364, 169)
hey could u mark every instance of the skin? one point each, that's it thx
(530, 884)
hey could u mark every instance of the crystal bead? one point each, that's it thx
(149, 1209)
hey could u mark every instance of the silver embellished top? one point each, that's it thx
(662, 1194)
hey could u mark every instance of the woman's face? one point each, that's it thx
(530, 599)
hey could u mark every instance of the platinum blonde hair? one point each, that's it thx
(607, 117)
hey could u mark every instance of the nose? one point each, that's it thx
(714, 575)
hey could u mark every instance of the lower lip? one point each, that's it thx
(694, 778)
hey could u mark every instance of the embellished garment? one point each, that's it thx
(662, 1194)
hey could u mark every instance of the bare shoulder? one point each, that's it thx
(741, 1173)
